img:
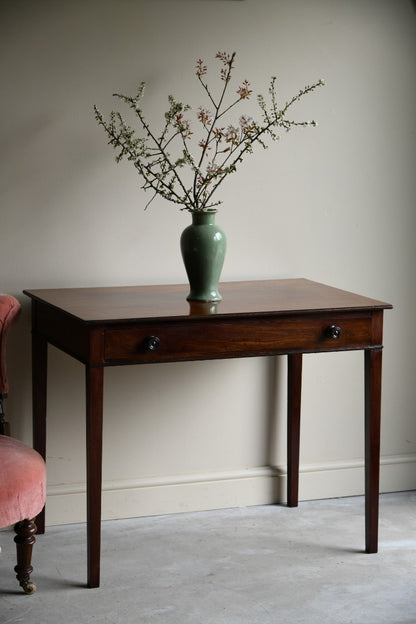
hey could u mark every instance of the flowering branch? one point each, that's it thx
(181, 177)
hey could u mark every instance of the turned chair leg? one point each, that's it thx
(25, 538)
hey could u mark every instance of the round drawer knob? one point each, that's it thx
(333, 332)
(151, 343)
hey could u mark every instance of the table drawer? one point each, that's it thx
(221, 338)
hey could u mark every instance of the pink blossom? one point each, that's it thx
(201, 69)
(243, 91)
(246, 123)
(183, 125)
(224, 57)
(218, 133)
(202, 143)
(231, 135)
(204, 115)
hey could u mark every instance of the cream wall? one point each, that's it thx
(335, 204)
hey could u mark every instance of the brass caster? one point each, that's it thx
(28, 587)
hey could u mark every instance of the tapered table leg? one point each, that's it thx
(39, 381)
(94, 424)
(373, 359)
(294, 387)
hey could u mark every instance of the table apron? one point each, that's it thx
(217, 339)
(141, 341)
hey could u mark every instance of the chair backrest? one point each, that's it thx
(9, 311)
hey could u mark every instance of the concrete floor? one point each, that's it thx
(265, 565)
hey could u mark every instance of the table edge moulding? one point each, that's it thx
(124, 325)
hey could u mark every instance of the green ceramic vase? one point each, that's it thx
(203, 246)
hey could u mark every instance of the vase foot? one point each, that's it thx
(212, 298)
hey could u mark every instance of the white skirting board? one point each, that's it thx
(239, 488)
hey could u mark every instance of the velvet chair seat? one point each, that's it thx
(23, 477)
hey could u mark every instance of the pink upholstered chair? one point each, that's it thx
(22, 470)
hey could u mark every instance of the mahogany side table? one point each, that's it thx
(112, 326)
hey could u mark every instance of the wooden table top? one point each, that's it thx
(249, 298)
